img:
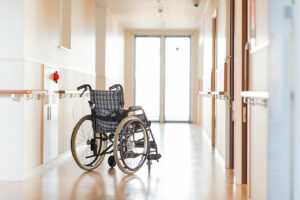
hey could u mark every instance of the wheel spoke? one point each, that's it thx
(83, 143)
(133, 145)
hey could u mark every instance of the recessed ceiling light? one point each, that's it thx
(161, 12)
(158, 1)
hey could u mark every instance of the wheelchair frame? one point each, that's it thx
(152, 151)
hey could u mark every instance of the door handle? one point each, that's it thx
(48, 117)
(50, 113)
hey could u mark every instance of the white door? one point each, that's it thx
(50, 140)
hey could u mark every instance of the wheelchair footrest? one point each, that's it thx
(140, 144)
(153, 156)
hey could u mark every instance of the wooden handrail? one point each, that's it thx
(8, 92)
(62, 93)
(68, 92)
(29, 93)
(15, 91)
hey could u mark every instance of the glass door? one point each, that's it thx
(147, 75)
(162, 77)
(177, 78)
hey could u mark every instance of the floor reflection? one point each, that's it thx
(89, 185)
(189, 170)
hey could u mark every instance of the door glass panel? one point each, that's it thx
(147, 75)
(177, 78)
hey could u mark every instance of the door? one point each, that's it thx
(177, 78)
(147, 75)
(162, 77)
(50, 138)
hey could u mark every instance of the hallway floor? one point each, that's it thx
(188, 170)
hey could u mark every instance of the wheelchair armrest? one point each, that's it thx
(134, 108)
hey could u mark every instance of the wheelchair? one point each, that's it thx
(111, 129)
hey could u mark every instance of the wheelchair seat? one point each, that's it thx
(108, 109)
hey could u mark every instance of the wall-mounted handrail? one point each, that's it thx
(217, 94)
(70, 93)
(255, 94)
(29, 93)
(204, 93)
(8, 92)
(255, 97)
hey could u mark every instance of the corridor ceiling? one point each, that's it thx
(154, 14)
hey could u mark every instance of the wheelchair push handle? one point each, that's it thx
(116, 86)
(85, 87)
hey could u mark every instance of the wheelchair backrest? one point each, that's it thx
(107, 100)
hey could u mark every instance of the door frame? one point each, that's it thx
(231, 84)
(213, 75)
(245, 87)
(163, 35)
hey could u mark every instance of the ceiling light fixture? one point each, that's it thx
(196, 3)
(158, 1)
(161, 12)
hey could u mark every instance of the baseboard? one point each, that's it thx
(47, 166)
(217, 153)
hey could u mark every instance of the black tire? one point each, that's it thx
(84, 143)
(131, 145)
(111, 161)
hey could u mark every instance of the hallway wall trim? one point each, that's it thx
(215, 150)
(49, 165)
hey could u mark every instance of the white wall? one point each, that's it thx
(110, 49)
(29, 39)
(114, 51)
(205, 60)
(258, 81)
(11, 68)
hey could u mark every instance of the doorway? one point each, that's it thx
(162, 77)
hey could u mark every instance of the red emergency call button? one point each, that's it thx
(56, 77)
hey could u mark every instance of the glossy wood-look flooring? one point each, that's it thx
(189, 169)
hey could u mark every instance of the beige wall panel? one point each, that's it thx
(42, 34)
(100, 47)
(262, 21)
(72, 109)
(33, 117)
(77, 67)
(206, 110)
(258, 81)
(83, 35)
(258, 72)
(238, 88)
(205, 46)
(220, 127)
(114, 51)
(259, 152)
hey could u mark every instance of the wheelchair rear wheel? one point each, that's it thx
(85, 146)
(131, 145)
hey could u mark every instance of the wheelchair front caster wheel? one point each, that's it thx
(111, 161)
